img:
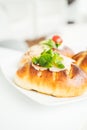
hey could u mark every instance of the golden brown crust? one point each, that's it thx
(59, 84)
(81, 60)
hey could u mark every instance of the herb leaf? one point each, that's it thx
(45, 60)
(48, 58)
(35, 60)
(49, 43)
(60, 65)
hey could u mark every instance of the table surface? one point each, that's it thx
(19, 112)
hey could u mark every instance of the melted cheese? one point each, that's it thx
(38, 49)
(37, 67)
(67, 63)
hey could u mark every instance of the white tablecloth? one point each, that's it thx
(17, 112)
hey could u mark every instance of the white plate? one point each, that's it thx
(9, 67)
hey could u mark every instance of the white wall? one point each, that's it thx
(30, 17)
(20, 19)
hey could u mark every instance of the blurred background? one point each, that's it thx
(27, 20)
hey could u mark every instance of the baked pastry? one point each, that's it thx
(46, 71)
(59, 84)
(81, 60)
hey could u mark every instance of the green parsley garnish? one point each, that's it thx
(50, 43)
(48, 59)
